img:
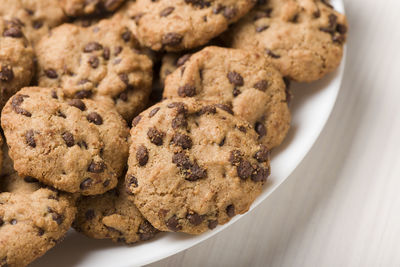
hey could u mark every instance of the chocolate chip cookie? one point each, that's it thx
(112, 216)
(102, 61)
(71, 144)
(36, 17)
(303, 38)
(16, 59)
(193, 165)
(32, 218)
(184, 24)
(84, 7)
(245, 81)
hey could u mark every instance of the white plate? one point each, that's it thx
(311, 107)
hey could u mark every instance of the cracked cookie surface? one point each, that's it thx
(112, 216)
(71, 144)
(245, 81)
(184, 24)
(102, 61)
(303, 38)
(32, 218)
(16, 60)
(193, 165)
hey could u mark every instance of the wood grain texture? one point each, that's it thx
(341, 207)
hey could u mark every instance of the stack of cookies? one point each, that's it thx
(122, 119)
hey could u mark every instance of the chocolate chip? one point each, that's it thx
(261, 28)
(262, 155)
(172, 39)
(179, 121)
(117, 50)
(230, 12)
(92, 46)
(271, 54)
(222, 141)
(167, 11)
(173, 224)
(96, 167)
(131, 180)
(86, 184)
(6, 73)
(77, 103)
(126, 36)
(261, 85)
(16, 102)
(235, 78)
(90, 214)
(342, 29)
(37, 24)
(51, 73)
(153, 112)
(225, 108)
(210, 109)
(146, 231)
(95, 118)
(212, 224)
(155, 136)
(194, 218)
(235, 157)
(260, 129)
(136, 120)
(260, 174)
(13, 222)
(106, 183)
(195, 173)
(230, 210)
(13, 31)
(181, 160)
(1, 221)
(182, 60)
(181, 108)
(54, 94)
(142, 155)
(106, 53)
(40, 231)
(187, 90)
(242, 129)
(58, 218)
(83, 94)
(124, 78)
(244, 170)
(30, 138)
(30, 180)
(94, 62)
(182, 140)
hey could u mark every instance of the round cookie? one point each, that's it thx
(71, 144)
(16, 60)
(303, 38)
(102, 61)
(37, 17)
(184, 24)
(193, 165)
(32, 219)
(112, 216)
(245, 81)
(84, 7)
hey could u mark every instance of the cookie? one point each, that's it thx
(75, 8)
(193, 165)
(245, 81)
(112, 216)
(32, 218)
(102, 61)
(184, 24)
(36, 17)
(16, 60)
(71, 144)
(303, 38)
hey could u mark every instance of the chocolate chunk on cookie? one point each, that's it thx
(36, 17)
(184, 24)
(112, 216)
(189, 182)
(101, 62)
(32, 218)
(71, 144)
(84, 7)
(245, 81)
(304, 39)
(16, 59)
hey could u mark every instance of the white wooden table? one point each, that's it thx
(341, 207)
